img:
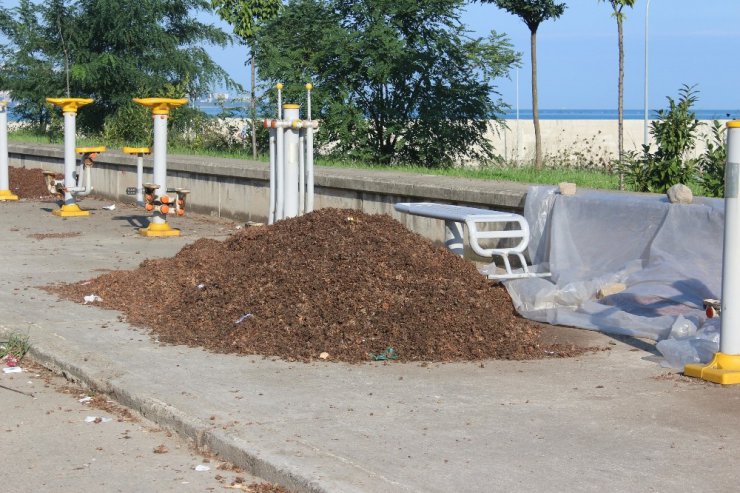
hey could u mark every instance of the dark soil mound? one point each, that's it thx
(28, 183)
(338, 281)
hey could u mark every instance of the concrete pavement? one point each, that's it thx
(612, 420)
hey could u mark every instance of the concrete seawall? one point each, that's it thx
(239, 189)
(583, 143)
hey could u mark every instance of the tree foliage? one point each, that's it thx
(675, 132)
(533, 13)
(246, 15)
(114, 49)
(396, 81)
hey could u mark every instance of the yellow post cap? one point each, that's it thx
(89, 150)
(69, 105)
(278, 85)
(289, 106)
(160, 106)
(136, 150)
(733, 124)
(309, 86)
(3, 104)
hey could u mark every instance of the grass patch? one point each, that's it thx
(521, 174)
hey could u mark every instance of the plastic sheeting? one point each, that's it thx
(669, 257)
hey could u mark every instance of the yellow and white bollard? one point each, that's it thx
(725, 367)
(69, 107)
(5, 193)
(160, 204)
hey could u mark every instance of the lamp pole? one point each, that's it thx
(647, 16)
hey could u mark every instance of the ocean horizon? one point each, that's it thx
(559, 114)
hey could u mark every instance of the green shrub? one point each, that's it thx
(712, 162)
(675, 133)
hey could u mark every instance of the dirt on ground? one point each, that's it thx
(28, 183)
(335, 284)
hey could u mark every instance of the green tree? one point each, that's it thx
(533, 13)
(245, 16)
(396, 81)
(113, 50)
(617, 7)
(33, 59)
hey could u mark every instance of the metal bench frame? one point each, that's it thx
(473, 218)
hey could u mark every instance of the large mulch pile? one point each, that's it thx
(28, 183)
(335, 281)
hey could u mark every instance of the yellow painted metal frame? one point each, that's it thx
(70, 210)
(160, 106)
(723, 369)
(7, 195)
(163, 229)
(136, 150)
(69, 105)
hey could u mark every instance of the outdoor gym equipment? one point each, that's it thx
(71, 186)
(455, 216)
(291, 160)
(725, 367)
(156, 198)
(139, 152)
(5, 193)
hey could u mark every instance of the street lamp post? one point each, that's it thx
(647, 16)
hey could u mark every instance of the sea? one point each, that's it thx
(561, 114)
(524, 114)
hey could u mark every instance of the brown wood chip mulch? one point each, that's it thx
(28, 183)
(336, 281)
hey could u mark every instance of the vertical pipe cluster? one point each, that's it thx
(291, 160)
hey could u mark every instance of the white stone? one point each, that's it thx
(680, 194)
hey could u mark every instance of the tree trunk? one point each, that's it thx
(620, 128)
(253, 102)
(535, 105)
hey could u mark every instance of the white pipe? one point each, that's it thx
(280, 174)
(309, 169)
(70, 159)
(271, 210)
(291, 113)
(301, 172)
(4, 178)
(729, 342)
(309, 152)
(159, 175)
(140, 179)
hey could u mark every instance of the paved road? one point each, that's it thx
(49, 445)
(611, 420)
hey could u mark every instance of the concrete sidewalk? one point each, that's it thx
(613, 420)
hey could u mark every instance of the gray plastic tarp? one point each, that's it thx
(669, 256)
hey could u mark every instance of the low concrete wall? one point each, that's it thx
(239, 189)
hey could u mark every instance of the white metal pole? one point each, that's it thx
(730, 319)
(140, 179)
(645, 126)
(309, 151)
(70, 158)
(159, 174)
(271, 209)
(301, 171)
(4, 179)
(291, 113)
(280, 173)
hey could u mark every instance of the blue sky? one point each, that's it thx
(691, 42)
